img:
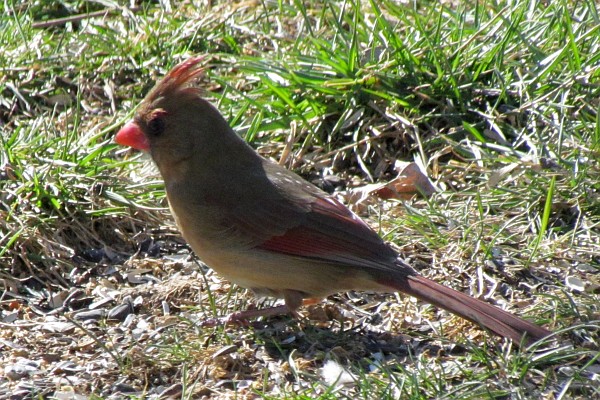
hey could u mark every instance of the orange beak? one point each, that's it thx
(131, 135)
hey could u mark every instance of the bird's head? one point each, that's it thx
(174, 122)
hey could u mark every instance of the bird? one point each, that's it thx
(263, 227)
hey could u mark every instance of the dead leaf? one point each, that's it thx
(409, 182)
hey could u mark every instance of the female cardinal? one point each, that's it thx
(265, 228)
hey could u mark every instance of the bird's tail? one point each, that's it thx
(486, 315)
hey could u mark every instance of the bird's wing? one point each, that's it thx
(298, 219)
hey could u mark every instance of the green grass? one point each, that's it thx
(499, 101)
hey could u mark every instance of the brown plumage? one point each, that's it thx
(265, 228)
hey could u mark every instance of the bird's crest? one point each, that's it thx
(180, 78)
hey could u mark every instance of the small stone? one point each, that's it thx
(10, 318)
(68, 395)
(575, 283)
(124, 388)
(120, 312)
(21, 369)
(91, 315)
(68, 367)
(58, 300)
(583, 267)
(50, 357)
(58, 327)
(225, 350)
(173, 391)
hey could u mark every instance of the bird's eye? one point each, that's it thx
(156, 125)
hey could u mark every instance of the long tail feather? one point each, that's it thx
(486, 315)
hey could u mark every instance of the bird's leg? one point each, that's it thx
(293, 301)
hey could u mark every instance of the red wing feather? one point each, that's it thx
(334, 234)
(303, 242)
